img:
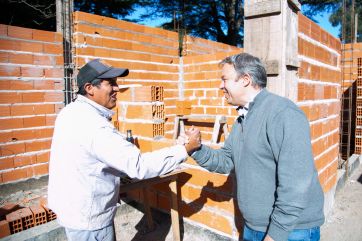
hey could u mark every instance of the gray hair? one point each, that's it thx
(247, 64)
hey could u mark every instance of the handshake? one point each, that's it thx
(191, 139)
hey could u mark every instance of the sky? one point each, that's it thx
(323, 21)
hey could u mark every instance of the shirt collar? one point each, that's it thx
(243, 110)
(103, 111)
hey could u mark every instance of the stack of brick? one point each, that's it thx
(358, 140)
(352, 74)
(31, 94)
(17, 218)
(20, 220)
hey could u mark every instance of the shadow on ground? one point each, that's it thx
(131, 224)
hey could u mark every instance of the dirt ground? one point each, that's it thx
(345, 221)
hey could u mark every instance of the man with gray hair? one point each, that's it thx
(269, 148)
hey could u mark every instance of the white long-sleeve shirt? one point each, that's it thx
(87, 156)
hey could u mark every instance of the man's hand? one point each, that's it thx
(182, 139)
(268, 238)
(194, 140)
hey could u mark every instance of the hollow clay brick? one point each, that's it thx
(40, 215)
(4, 228)
(50, 214)
(19, 220)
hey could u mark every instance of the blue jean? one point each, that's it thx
(312, 234)
(104, 234)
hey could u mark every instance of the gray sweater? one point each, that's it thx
(277, 184)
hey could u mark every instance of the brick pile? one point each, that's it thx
(352, 64)
(15, 219)
(358, 140)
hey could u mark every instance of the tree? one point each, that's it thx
(315, 7)
(109, 8)
(39, 14)
(219, 20)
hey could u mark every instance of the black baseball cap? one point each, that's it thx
(98, 69)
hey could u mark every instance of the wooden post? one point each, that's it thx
(147, 210)
(271, 34)
(58, 5)
(174, 211)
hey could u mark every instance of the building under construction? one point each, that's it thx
(167, 93)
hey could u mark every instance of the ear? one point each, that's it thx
(89, 88)
(246, 80)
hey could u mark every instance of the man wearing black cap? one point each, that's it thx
(88, 154)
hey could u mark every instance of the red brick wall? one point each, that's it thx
(193, 46)
(151, 54)
(319, 91)
(31, 84)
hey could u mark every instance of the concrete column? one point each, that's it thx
(271, 33)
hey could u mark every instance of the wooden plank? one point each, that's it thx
(174, 212)
(216, 130)
(134, 184)
(176, 127)
(226, 130)
(147, 210)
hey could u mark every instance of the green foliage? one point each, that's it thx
(219, 20)
(109, 8)
(38, 14)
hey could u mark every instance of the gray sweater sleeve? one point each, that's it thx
(289, 135)
(220, 160)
